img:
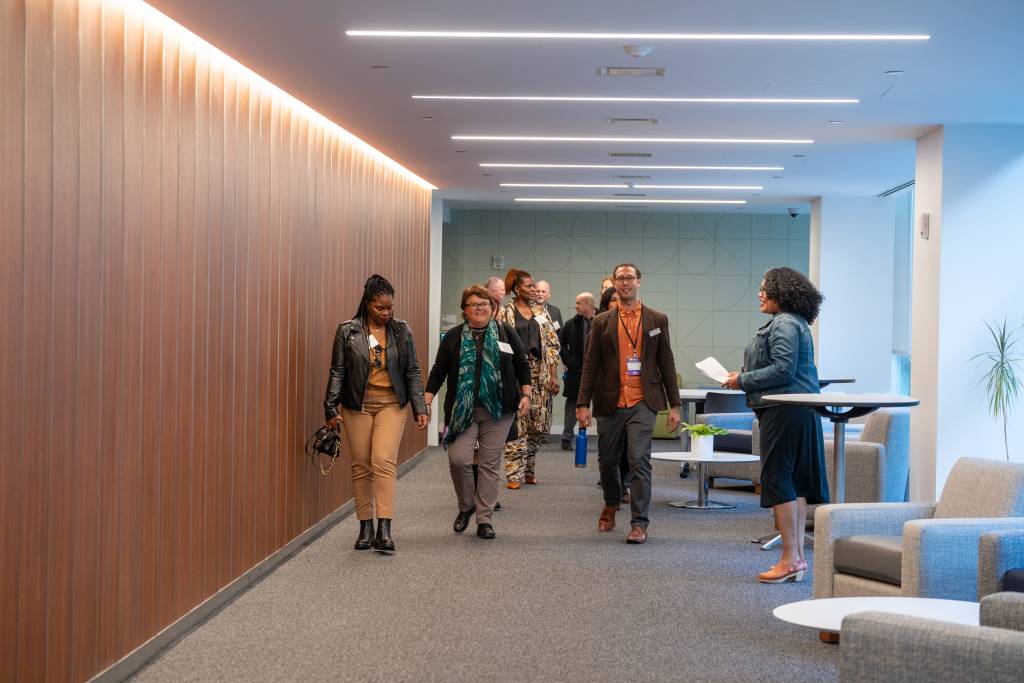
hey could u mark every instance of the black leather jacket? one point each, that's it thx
(350, 368)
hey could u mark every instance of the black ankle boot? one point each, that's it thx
(365, 540)
(383, 543)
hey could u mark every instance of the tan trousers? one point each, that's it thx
(373, 437)
(491, 435)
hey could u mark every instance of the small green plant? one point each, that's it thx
(1002, 377)
(703, 429)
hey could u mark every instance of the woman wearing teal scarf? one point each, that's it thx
(488, 378)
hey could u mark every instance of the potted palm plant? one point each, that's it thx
(1002, 378)
(702, 438)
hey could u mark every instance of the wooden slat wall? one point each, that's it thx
(178, 242)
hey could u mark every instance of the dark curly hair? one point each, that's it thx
(793, 292)
(606, 299)
(376, 285)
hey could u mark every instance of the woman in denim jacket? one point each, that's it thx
(780, 360)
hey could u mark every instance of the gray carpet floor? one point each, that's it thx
(551, 599)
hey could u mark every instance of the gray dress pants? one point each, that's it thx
(491, 435)
(630, 429)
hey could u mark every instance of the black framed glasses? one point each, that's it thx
(377, 354)
(626, 278)
(480, 305)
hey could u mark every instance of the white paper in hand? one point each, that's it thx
(712, 369)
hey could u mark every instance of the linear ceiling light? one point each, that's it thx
(568, 138)
(689, 100)
(656, 167)
(550, 35)
(646, 187)
(588, 200)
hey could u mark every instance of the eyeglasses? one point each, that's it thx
(626, 278)
(479, 306)
(377, 353)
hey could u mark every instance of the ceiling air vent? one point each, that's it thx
(631, 121)
(631, 71)
(630, 155)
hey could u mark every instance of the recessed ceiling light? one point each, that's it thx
(545, 35)
(591, 200)
(665, 100)
(658, 167)
(567, 138)
(835, 121)
(894, 72)
(645, 187)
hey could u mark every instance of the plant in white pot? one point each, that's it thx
(1002, 377)
(702, 438)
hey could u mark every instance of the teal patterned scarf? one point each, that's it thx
(490, 380)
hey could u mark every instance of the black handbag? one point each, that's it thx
(325, 441)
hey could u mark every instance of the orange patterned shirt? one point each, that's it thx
(630, 386)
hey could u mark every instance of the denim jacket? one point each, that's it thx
(779, 360)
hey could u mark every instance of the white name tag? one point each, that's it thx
(541, 319)
(504, 347)
(372, 341)
(655, 332)
(556, 324)
(632, 366)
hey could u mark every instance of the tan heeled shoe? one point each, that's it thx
(784, 571)
(513, 484)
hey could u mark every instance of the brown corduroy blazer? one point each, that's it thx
(601, 382)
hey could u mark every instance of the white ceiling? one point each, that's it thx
(970, 71)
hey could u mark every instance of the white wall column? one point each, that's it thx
(968, 271)
(852, 244)
(437, 215)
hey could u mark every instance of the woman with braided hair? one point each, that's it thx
(535, 329)
(374, 375)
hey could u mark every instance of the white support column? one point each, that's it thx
(968, 271)
(434, 298)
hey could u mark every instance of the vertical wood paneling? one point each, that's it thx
(12, 292)
(179, 244)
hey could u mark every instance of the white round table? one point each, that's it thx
(702, 502)
(839, 408)
(827, 614)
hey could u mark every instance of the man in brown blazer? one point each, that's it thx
(630, 374)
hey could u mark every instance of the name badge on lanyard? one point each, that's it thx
(632, 366)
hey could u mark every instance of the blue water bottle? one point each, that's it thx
(581, 448)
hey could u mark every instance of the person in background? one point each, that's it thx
(609, 301)
(374, 375)
(496, 287)
(539, 337)
(607, 283)
(780, 360)
(574, 344)
(488, 374)
(629, 372)
(542, 295)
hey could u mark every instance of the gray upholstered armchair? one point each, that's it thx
(1001, 562)
(890, 648)
(917, 549)
(877, 460)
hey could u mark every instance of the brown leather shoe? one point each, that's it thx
(513, 484)
(606, 522)
(637, 535)
(531, 480)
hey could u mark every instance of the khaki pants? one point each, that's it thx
(373, 437)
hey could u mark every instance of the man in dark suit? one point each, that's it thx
(574, 344)
(542, 290)
(630, 374)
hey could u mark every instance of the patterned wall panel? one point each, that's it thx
(703, 270)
